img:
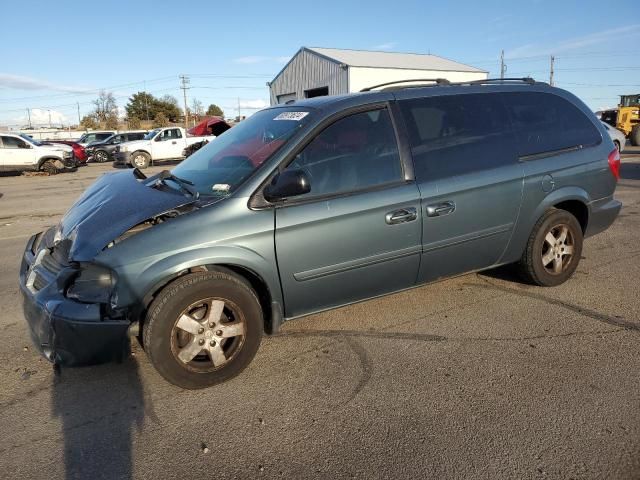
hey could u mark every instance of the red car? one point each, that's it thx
(79, 152)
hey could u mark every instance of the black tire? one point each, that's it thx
(48, 166)
(140, 160)
(161, 334)
(538, 249)
(634, 136)
(100, 156)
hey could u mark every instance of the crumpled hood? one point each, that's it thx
(108, 208)
(135, 144)
(58, 147)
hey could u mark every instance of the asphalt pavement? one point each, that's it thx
(479, 376)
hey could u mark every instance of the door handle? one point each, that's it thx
(403, 215)
(440, 209)
(174, 142)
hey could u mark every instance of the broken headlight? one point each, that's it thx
(94, 284)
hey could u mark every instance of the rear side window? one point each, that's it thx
(455, 135)
(545, 123)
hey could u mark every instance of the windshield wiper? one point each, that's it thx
(185, 185)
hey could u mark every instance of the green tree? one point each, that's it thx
(143, 105)
(89, 122)
(160, 120)
(215, 110)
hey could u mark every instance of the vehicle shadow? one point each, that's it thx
(508, 273)
(100, 408)
(629, 171)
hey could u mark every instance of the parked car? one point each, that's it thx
(79, 152)
(618, 138)
(19, 152)
(90, 137)
(102, 151)
(160, 144)
(313, 205)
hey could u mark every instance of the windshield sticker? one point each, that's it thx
(296, 116)
(221, 187)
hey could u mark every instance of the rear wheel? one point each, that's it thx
(100, 156)
(634, 136)
(140, 160)
(553, 250)
(203, 329)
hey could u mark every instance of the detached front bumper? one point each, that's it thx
(121, 158)
(66, 332)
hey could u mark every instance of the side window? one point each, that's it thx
(455, 135)
(119, 139)
(545, 122)
(12, 142)
(177, 133)
(354, 153)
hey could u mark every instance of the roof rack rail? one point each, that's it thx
(527, 80)
(437, 81)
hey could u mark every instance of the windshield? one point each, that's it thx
(225, 163)
(151, 134)
(30, 140)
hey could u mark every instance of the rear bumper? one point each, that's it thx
(66, 332)
(602, 214)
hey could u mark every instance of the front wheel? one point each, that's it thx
(203, 329)
(553, 250)
(140, 160)
(100, 156)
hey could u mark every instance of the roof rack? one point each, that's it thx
(444, 82)
(437, 81)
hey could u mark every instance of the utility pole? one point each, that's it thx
(239, 114)
(29, 115)
(503, 67)
(49, 118)
(185, 82)
(79, 119)
(146, 99)
(553, 59)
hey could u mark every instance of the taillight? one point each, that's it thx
(614, 163)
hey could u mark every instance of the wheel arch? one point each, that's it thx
(47, 158)
(251, 267)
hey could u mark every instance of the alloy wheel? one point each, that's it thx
(557, 249)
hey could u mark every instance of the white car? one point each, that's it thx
(619, 140)
(19, 152)
(167, 143)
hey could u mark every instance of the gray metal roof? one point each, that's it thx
(414, 61)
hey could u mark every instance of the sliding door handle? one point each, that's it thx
(440, 209)
(403, 215)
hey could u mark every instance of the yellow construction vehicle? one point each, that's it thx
(628, 120)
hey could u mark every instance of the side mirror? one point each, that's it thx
(158, 138)
(24, 145)
(289, 183)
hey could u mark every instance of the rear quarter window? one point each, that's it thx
(546, 123)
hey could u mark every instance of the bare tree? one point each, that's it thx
(105, 106)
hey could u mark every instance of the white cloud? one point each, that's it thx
(253, 104)
(253, 59)
(597, 38)
(18, 82)
(40, 117)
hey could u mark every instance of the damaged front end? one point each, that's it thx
(70, 300)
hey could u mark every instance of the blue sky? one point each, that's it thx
(60, 53)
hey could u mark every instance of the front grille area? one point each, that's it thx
(47, 265)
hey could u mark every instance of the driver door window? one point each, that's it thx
(354, 153)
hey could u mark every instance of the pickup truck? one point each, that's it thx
(160, 144)
(19, 152)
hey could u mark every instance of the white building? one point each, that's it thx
(313, 72)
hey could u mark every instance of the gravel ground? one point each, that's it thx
(478, 376)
